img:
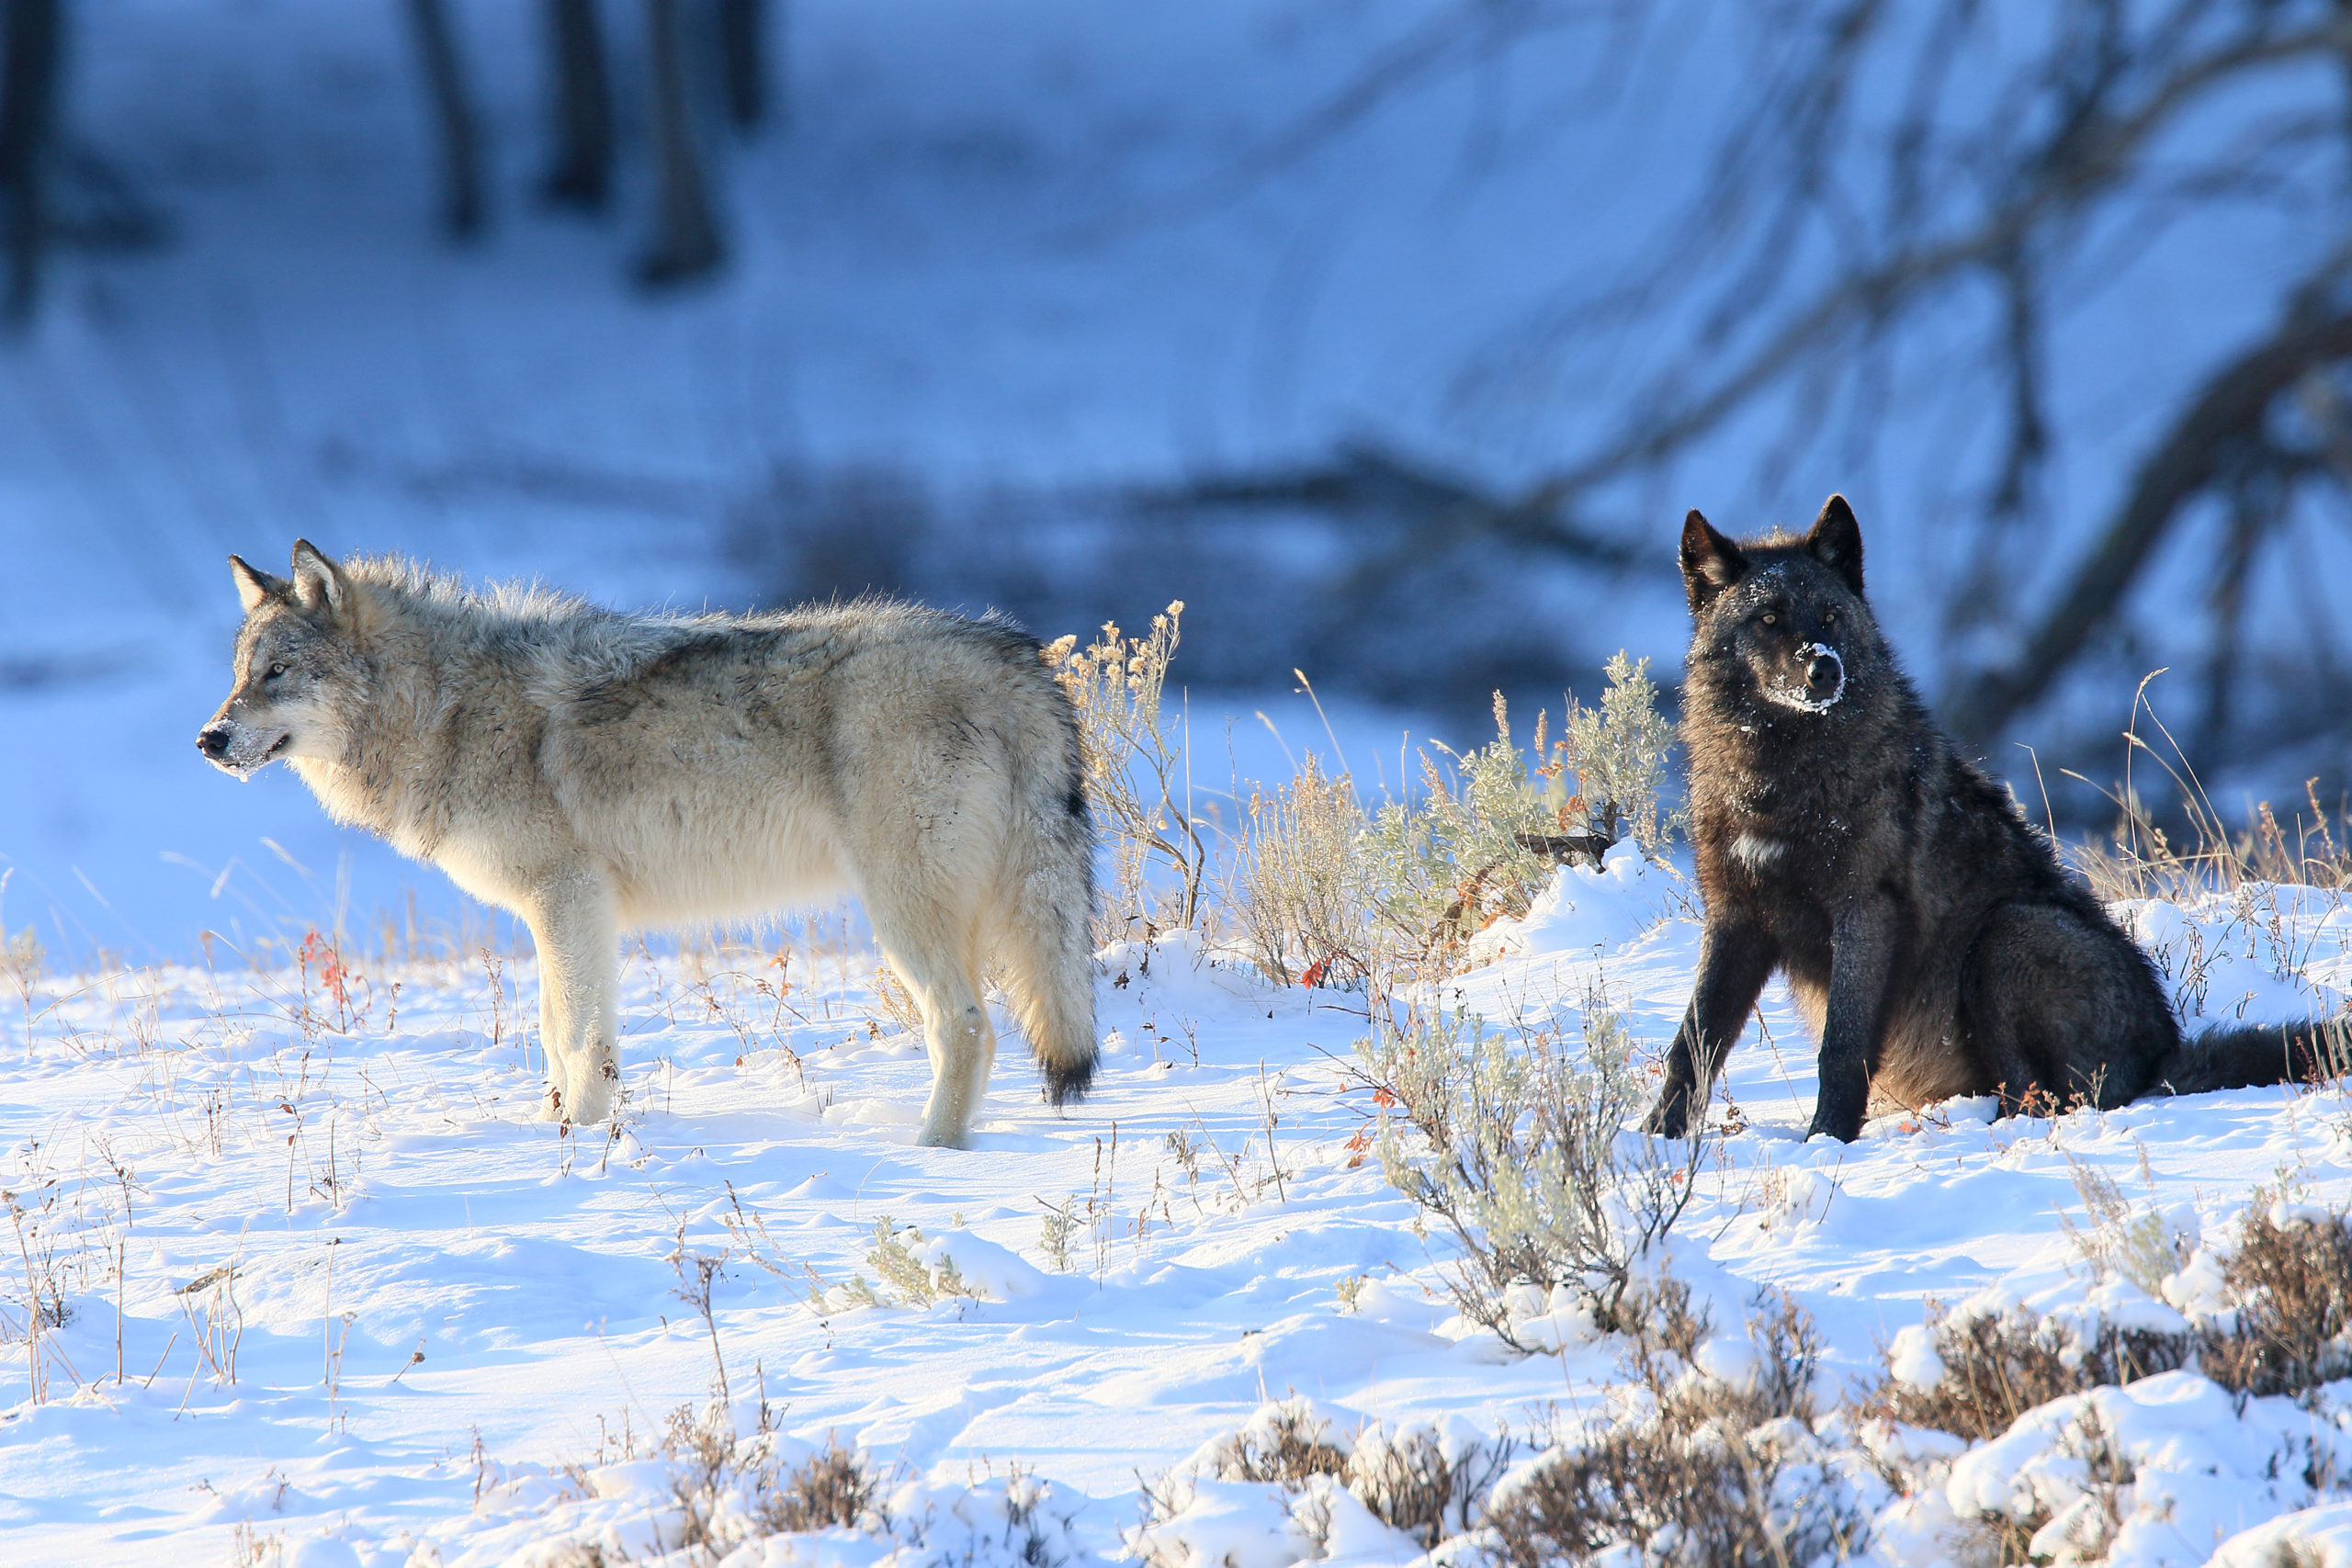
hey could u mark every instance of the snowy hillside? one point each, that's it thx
(369, 1312)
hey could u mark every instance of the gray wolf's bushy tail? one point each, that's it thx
(2249, 1056)
(1048, 946)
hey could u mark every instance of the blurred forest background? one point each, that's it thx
(1393, 337)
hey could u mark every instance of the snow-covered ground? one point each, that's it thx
(435, 1304)
(1027, 244)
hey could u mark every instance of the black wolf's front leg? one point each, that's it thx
(1863, 952)
(1734, 963)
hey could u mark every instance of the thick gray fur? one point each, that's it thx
(1928, 932)
(595, 773)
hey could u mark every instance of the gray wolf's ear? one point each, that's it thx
(1835, 541)
(318, 581)
(253, 586)
(1710, 563)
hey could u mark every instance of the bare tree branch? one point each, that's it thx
(2227, 414)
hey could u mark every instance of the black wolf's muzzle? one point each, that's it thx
(1825, 672)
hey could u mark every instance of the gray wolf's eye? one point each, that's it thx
(273, 672)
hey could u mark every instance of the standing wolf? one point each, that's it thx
(594, 772)
(1929, 934)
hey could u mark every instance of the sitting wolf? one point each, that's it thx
(1928, 932)
(594, 772)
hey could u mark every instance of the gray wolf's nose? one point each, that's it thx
(213, 741)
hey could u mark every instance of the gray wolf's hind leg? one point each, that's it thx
(935, 951)
(573, 929)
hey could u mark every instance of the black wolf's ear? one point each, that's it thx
(253, 586)
(1835, 541)
(1710, 563)
(318, 581)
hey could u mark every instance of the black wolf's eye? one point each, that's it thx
(273, 672)
(1770, 618)
(1829, 619)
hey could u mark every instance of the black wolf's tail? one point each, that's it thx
(2248, 1057)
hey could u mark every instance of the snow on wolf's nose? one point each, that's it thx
(1825, 672)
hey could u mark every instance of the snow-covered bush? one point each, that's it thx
(723, 1488)
(1973, 1372)
(1699, 1468)
(2292, 1327)
(1299, 1481)
(2272, 1315)
(1519, 1150)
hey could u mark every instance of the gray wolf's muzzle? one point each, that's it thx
(234, 748)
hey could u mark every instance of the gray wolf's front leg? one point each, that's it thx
(572, 926)
(1734, 963)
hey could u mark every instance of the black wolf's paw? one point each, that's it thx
(1844, 1128)
(1671, 1117)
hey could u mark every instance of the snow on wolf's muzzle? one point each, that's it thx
(1825, 680)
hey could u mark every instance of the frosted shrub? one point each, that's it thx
(1437, 869)
(1523, 1154)
(1488, 826)
(1134, 766)
(1618, 754)
(1292, 890)
(918, 1284)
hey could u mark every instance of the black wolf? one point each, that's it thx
(1930, 936)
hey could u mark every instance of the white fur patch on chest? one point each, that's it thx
(1756, 851)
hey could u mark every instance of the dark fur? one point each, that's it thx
(1927, 930)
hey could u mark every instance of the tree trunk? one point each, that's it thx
(742, 57)
(445, 80)
(685, 238)
(29, 78)
(581, 175)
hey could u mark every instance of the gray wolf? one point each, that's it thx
(1928, 932)
(594, 772)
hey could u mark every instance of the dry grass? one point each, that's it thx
(2138, 858)
(1139, 776)
(1291, 885)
